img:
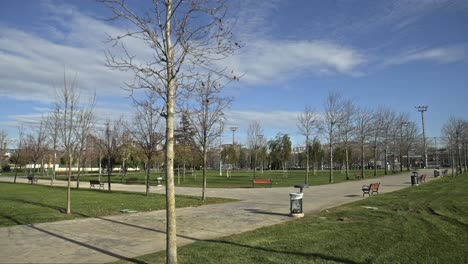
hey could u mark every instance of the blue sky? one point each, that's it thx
(379, 53)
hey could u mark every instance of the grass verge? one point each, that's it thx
(28, 204)
(237, 179)
(424, 224)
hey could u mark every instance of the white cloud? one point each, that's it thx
(265, 61)
(447, 54)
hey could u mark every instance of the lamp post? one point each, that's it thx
(233, 129)
(423, 109)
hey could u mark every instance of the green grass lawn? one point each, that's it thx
(424, 224)
(238, 179)
(26, 204)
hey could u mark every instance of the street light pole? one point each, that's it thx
(423, 109)
(233, 129)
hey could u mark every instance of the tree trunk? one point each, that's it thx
(362, 159)
(70, 160)
(375, 158)
(385, 160)
(171, 242)
(204, 175)
(347, 162)
(109, 170)
(78, 173)
(148, 177)
(331, 162)
(307, 161)
(54, 160)
(407, 160)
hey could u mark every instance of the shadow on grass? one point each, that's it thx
(60, 209)
(302, 254)
(258, 211)
(352, 195)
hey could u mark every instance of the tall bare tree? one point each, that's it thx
(388, 124)
(376, 130)
(36, 143)
(18, 153)
(84, 126)
(307, 123)
(53, 126)
(206, 113)
(254, 137)
(411, 139)
(402, 120)
(70, 114)
(362, 131)
(333, 116)
(454, 130)
(346, 130)
(183, 37)
(147, 131)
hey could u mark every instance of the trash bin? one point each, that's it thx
(296, 208)
(414, 180)
(436, 173)
(159, 181)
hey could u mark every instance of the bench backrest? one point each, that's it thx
(94, 182)
(261, 180)
(374, 186)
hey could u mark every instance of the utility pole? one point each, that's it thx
(423, 109)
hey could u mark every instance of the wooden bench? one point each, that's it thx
(422, 178)
(357, 176)
(261, 181)
(132, 180)
(93, 183)
(32, 179)
(370, 189)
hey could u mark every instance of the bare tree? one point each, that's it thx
(412, 137)
(147, 132)
(70, 114)
(18, 154)
(401, 120)
(376, 130)
(388, 124)
(346, 129)
(206, 113)
(254, 137)
(364, 119)
(84, 126)
(183, 37)
(53, 126)
(35, 144)
(307, 123)
(333, 117)
(454, 130)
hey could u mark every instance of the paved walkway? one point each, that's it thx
(106, 239)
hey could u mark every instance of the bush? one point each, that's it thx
(6, 168)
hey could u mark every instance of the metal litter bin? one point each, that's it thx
(296, 208)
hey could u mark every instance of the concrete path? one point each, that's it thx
(106, 239)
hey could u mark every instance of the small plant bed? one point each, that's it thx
(427, 224)
(28, 204)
